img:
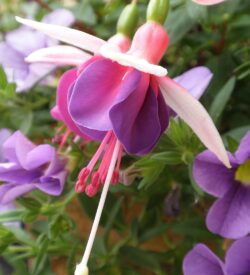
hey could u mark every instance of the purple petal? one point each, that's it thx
(229, 216)
(60, 17)
(195, 80)
(63, 89)
(56, 165)
(25, 41)
(129, 126)
(202, 261)
(95, 92)
(211, 175)
(163, 112)
(13, 63)
(238, 257)
(17, 147)
(52, 185)
(39, 156)
(10, 172)
(11, 191)
(36, 73)
(243, 152)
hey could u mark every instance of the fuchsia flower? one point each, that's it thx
(123, 98)
(202, 261)
(208, 2)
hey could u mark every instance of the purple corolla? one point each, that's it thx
(23, 41)
(202, 261)
(229, 216)
(28, 167)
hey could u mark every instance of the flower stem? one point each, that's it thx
(82, 267)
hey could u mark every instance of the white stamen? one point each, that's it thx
(82, 269)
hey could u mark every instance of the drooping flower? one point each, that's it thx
(23, 41)
(208, 2)
(202, 261)
(229, 216)
(115, 95)
(28, 167)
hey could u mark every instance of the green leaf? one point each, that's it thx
(151, 233)
(6, 237)
(42, 257)
(178, 24)
(112, 215)
(72, 257)
(10, 90)
(222, 98)
(139, 257)
(232, 144)
(3, 78)
(85, 13)
(26, 122)
(171, 157)
(11, 216)
(239, 132)
(22, 236)
(29, 203)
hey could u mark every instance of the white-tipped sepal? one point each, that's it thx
(73, 37)
(195, 115)
(60, 55)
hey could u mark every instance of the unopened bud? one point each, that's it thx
(157, 11)
(128, 20)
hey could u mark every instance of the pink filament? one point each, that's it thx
(104, 153)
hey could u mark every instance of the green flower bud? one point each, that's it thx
(157, 10)
(128, 20)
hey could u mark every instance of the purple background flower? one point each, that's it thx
(229, 216)
(29, 167)
(21, 42)
(202, 261)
